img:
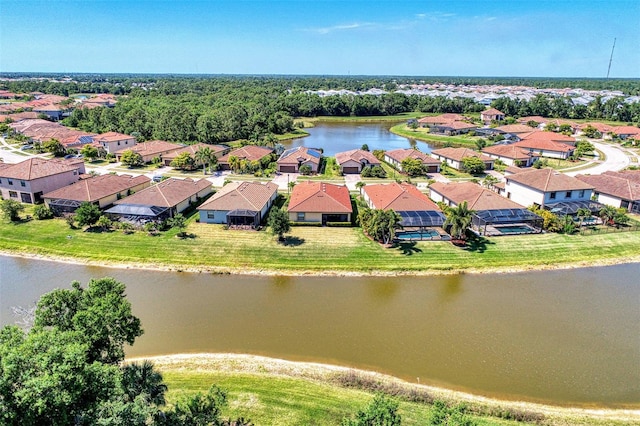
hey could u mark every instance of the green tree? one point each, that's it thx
(607, 214)
(143, 380)
(364, 147)
(104, 223)
(490, 181)
(473, 165)
(360, 185)
(305, 169)
(621, 217)
(279, 223)
(130, 159)
(459, 221)
(90, 152)
(42, 212)
(11, 210)
(413, 167)
(203, 155)
(442, 414)
(87, 214)
(179, 222)
(583, 213)
(183, 161)
(381, 411)
(99, 313)
(55, 147)
(381, 225)
(198, 410)
(481, 143)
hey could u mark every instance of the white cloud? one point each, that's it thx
(343, 27)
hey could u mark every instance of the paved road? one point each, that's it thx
(616, 159)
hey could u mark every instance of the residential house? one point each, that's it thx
(292, 159)
(319, 202)
(150, 150)
(415, 208)
(397, 156)
(102, 191)
(248, 153)
(352, 162)
(493, 214)
(28, 180)
(440, 119)
(616, 189)
(547, 187)
(491, 114)
(217, 150)
(512, 155)
(452, 128)
(626, 132)
(239, 203)
(516, 129)
(43, 130)
(54, 112)
(539, 120)
(547, 144)
(162, 200)
(454, 157)
(113, 141)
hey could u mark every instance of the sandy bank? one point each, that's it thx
(209, 269)
(241, 363)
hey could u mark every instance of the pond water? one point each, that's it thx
(568, 337)
(337, 137)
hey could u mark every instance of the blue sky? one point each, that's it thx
(559, 38)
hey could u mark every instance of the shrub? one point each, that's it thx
(42, 212)
(339, 224)
(305, 169)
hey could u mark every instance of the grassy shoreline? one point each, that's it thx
(270, 391)
(310, 251)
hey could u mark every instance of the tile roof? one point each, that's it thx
(191, 149)
(112, 137)
(548, 136)
(356, 155)
(402, 153)
(97, 187)
(241, 195)
(320, 197)
(492, 111)
(442, 118)
(510, 151)
(601, 127)
(633, 175)
(154, 147)
(300, 154)
(477, 197)
(548, 180)
(248, 152)
(36, 168)
(544, 145)
(399, 197)
(537, 118)
(457, 154)
(167, 193)
(626, 130)
(515, 128)
(616, 186)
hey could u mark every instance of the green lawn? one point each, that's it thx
(277, 400)
(310, 249)
(424, 135)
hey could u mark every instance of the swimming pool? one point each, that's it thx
(514, 229)
(426, 234)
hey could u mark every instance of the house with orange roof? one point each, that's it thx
(516, 129)
(547, 187)
(319, 202)
(292, 159)
(54, 112)
(616, 189)
(548, 144)
(414, 207)
(248, 153)
(455, 156)
(114, 141)
(102, 191)
(395, 158)
(493, 214)
(626, 132)
(440, 119)
(491, 114)
(217, 150)
(239, 204)
(539, 120)
(162, 200)
(512, 155)
(353, 161)
(452, 128)
(150, 150)
(28, 180)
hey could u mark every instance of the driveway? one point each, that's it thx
(283, 179)
(616, 159)
(351, 181)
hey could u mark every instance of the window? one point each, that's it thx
(300, 217)
(9, 181)
(568, 194)
(211, 215)
(552, 195)
(13, 194)
(581, 194)
(0, 180)
(118, 142)
(23, 183)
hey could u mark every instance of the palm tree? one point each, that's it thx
(607, 213)
(203, 155)
(234, 163)
(143, 379)
(582, 214)
(459, 220)
(359, 185)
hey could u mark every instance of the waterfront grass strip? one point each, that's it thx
(312, 249)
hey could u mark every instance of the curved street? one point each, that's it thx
(616, 159)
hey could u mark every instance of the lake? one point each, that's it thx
(569, 337)
(337, 137)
